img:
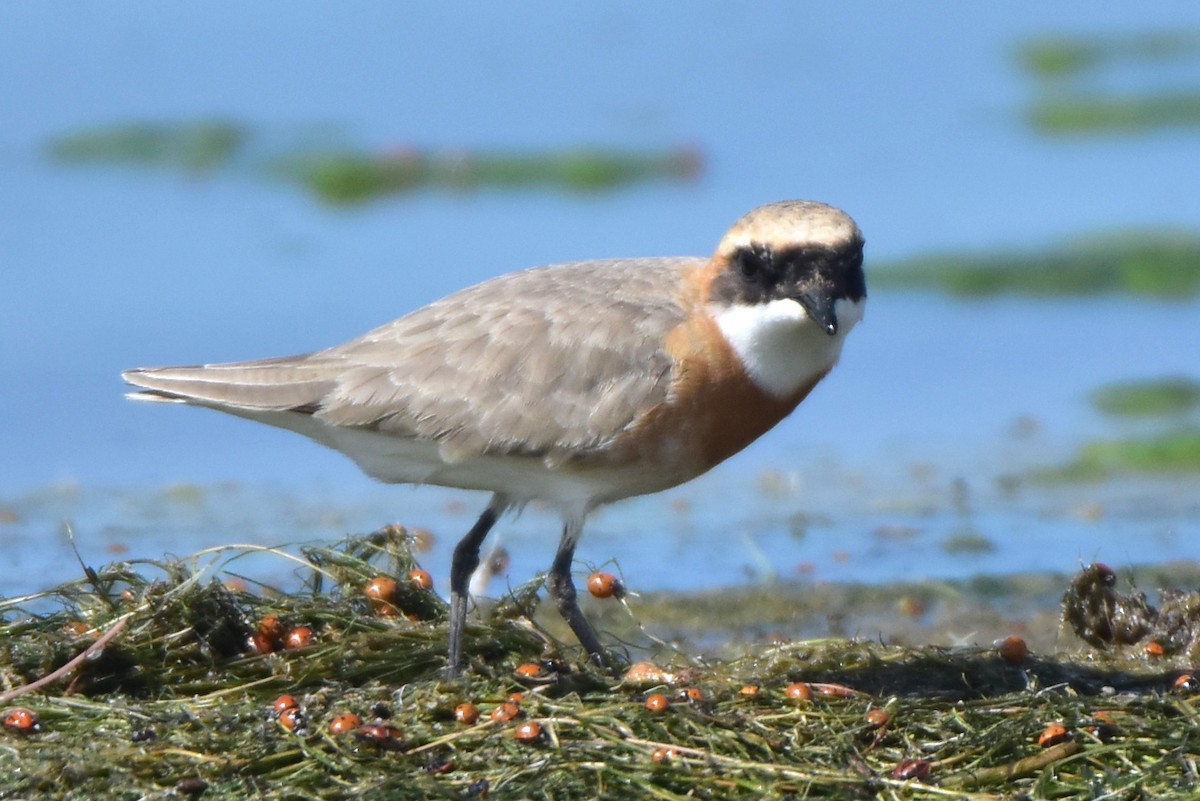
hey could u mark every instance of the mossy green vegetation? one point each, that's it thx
(1071, 101)
(1079, 114)
(1173, 452)
(349, 178)
(193, 146)
(1173, 396)
(1056, 57)
(347, 175)
(177, 703)
(1160, 265)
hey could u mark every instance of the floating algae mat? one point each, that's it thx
(165, 682)
(1162, 265)
(343, 175)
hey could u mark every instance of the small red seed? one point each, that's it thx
(421, 578)
(271, 627)
(657, 702)
(749, 690)
(878, 718)
(22, 721)
(466, 713)
(528, 732)
(381, 590)
(344, 723)
(664, 755)
(1013, 650)
(530, 670)
(907, 769)
(799, 691)
(284, 702)
(1155, 649)
(384, 735)
(690, 694)
(1186, 683)
(506, 712)
(1054, 734)
(293, 719)
(605, 585)
(298, 637)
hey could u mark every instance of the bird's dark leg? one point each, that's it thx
(562, 590)
(466, 559)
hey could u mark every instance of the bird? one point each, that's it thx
(575, 384)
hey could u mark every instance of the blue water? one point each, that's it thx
(908, 117)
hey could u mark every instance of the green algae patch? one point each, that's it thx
(1171, 453)
(1079, 115)
(352, 178)
(192, 146)
(1058, 57)
(1165, 397)
(1162, 265)
(146, 680)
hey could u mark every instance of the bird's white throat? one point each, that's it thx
(781, 348)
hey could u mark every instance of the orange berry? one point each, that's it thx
(421, 578)
(516, 698)
(22, 721)
(384, 735)
(1186, 683)
(916, 769)
(1155, 649)
(664, 755)
(345, 722)
(878, 718)
(657, 702)
(381, 590)
(271, 627)
(466, 713)
(298, 637)
(259, 644)
(692, 694)
(76, 628)
(528, 732)
(1013, 650)
(1054, 734)
(283, 703)
(530, 670)
(505, 712)
(605, 585)
(293, 719)
(799, 691)
(749, 690)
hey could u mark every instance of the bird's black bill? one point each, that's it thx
(820, 309)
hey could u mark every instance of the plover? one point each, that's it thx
(575, 384)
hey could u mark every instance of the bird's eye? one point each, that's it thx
(753, 262)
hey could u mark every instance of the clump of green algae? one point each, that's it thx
(176, 704)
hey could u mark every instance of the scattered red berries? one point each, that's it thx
(798, 691)
(466, 713)
(506, 712)
(1013, 650)
(657, 702)
(22, 721)
(345, 723)
(605, 585)
(298, 637)
(1054, 734)
(421, 578)
(528, 732)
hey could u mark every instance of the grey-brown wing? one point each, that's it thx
(561, 357)
(552, 358)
